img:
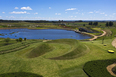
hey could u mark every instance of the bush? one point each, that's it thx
(7, 40)
(20, 39)
(98, 68)
(24, 39)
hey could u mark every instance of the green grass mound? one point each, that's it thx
(114, 70)
(98, 68)
(20, 74)
(78, 49)
(40, 50)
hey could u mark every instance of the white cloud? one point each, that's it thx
(76, 13)
(106, 15)
(114, 13)
(65, 12)
(3, 12)
(16, 8)
(82, 13)
(96, 11)
(102, 13)
(36, 13)
(71, 16)
(26, 8)
(50, 8)
(28, 13)
(90, 12)
(0, 16)
(21, 12)
(57, 13)
(70, 9)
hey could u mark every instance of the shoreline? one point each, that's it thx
(93, 37)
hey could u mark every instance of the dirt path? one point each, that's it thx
(109, 68)
(114, 43)
(95, 37)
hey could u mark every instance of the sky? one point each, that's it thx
(58, 9)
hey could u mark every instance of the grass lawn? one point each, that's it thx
(42, 65)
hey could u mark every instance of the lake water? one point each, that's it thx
(41, 34)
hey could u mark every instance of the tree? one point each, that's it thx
(107, 24)
(110, 23)
(20, 39)
(24, 39)
(83, 24)
(7, 40)
(95, 23)
(90, 23)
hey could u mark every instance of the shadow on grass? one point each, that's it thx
(20, 74)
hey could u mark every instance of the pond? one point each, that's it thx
(41, 34)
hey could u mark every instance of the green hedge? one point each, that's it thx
(98, 68)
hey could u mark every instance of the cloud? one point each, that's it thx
(71, 16)
(16, 8)
(114, 13)
(3, 12)
(57, 13)
(70, 9)
(96, 11)
(50, 8)
(102, 13)
(106, 15)
(26, 8)
(21, 12)
(0, 16)
(82, 13)
(90, 12)
(65, 12)
(28, 13)
(35, 13)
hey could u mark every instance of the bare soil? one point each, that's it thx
(109, 68)
(114, 43)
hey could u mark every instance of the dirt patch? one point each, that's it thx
(109, 68)
(114, 43)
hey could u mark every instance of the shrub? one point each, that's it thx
(7, 40)
(98, 68)
(24, 39)
(20, 39)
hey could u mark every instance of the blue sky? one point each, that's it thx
(58, 9)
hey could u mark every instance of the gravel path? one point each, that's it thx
(109, 68)
(95, 37)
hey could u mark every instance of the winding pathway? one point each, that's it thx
(95, 37)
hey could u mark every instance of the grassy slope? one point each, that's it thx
(13, 62)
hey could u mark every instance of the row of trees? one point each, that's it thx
(8, 39)
(93, 23)
(109, 23)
